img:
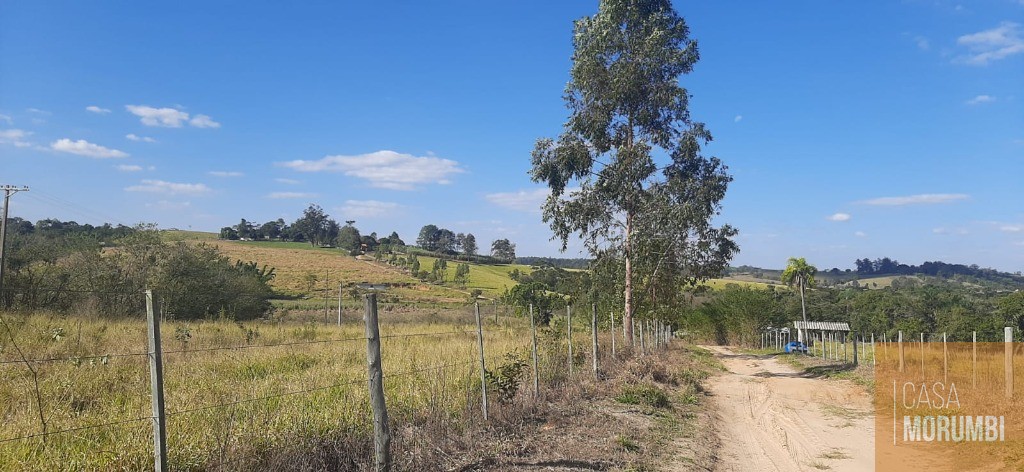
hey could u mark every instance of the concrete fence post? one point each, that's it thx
(612, 332)
(974, 359)
(375, 373)
(568, 332)
(156, 383)
(1008, 342)
(900, 350)
(945, 361)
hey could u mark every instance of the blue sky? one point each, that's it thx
(853, 129)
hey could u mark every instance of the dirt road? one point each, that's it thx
(769, 417)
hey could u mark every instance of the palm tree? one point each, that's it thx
(799, 272)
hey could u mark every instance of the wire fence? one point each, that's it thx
(213, 395)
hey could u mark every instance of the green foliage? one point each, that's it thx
(643, 394)
(799, 273)
(508, 376)
(503, 250)
(627, 105)
(462, 274)
(349, 238)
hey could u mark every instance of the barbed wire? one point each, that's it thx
(71, 430)
(254, 346)
(266, 397)
(416, 335)
(73, 358)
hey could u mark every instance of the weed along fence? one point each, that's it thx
(156, 392)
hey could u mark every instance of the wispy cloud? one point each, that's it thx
(169, 117)
(7, 119)
(169, 188)
(860, 234)
(978, 100)
(1011, 228)
(97, 110)
(15, 137)
(942, 230)
(135, 137)
(926, 198)
(82, 147)
(922, 43)
(385, 169)
(203, 121)
(225, 173)
(167, 205)
(737, 119)
(527, 200)
(991, 45)
(356, 209)
(839, 217)
(287, 181)
(38, 111)
(282, 195)
(128, 168)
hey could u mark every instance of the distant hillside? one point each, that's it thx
(885, 272)
(562, 263)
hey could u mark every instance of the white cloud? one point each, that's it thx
(280, 195)
(203, 121)
(128, 168)
(981, 99)
(287, 181)
(224, 173)
(927, 198)
(135, 137)
(991, 45)
(98, 110)
(355, 209)
(737, 119)
(839, 217)
(922, 43)
(7, 119)
(15, 137)
(82, 147)
(165, 117)
(860, 234)
(528, 200)
(384, 169)
(38, 111)
(1011, 228)
(169, 188)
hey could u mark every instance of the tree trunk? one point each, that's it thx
(627, 315)
(803, 306)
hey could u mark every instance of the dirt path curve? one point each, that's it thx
(769, 417)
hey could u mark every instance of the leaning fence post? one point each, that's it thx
(483, 365)
(593, 332)
(375, 373)
(156, 382)
(1008, 342)
(568, 331)
(899, 349)
(533, 331)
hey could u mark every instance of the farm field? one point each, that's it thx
(236, 393)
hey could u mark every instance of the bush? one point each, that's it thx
(643, 394)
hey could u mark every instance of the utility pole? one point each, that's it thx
(8, 191)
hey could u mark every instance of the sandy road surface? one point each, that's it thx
(771, 418)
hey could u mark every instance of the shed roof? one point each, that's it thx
(822, 325)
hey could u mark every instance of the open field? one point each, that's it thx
(234, 391)
(492, 279)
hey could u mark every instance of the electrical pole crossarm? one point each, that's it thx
(8, 191)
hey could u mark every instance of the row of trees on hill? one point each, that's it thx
(887, 266)
(315, 227)
(52, 227)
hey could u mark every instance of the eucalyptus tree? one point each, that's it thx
(627, 174)
(801, 274)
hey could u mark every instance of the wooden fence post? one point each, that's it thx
(873, 350)
(855, 360)
(156, 383)
(375, 372)
(483, 365)
(922, 355)
(536, 369)
(643, 345)
(974, 360)
(568, 324)
(945, 361)
(340, 287)
(1008, 343)
(593, 334)
(612, 331)
(899, 349)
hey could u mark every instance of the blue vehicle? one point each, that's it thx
(796, 346)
